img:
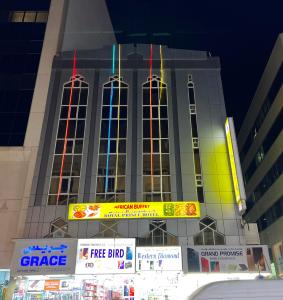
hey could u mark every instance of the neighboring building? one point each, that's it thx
(260, 145)
(22, 28)
(113, 124)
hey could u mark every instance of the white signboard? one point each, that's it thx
(158, 259)
(228, 259)
(105, 256)
(44, 257)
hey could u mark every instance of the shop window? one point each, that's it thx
(208, 234)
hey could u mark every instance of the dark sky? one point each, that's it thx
(241, 33)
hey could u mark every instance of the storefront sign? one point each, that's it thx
(158, 259)
(133, 210)
(51, 285)
(228, 259)
(277, 250)
(236, 170)
(44, 257)
(105, 256)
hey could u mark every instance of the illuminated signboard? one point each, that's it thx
(44, 256)
(235, 165)
(105, 256)
(226, 259)
(158, 259)
(133, 210)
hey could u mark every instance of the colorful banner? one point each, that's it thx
(227, 259)
(106, 256)
(158, 259)
(134, 210)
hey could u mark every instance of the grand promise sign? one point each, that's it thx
(227, 259)
(44, 257)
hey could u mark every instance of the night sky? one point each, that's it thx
(241, 33)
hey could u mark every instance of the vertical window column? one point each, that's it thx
(67, 158)
(195, 140)
(156, 166)
(111, 178)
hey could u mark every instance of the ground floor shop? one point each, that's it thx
(151, 285)
(115, 269)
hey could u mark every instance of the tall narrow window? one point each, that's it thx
(111, 178)
(195, 140)
(156, 166)
(67, 158)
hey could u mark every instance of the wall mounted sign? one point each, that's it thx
(44, 256)
(134, 210)
(52, 285)
(227, 259)
(105, 256)
(235, 165)
(158, 259)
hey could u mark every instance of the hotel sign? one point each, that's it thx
(134, 210)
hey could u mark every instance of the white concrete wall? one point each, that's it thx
(13, 176)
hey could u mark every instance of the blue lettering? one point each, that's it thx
(44, 261)
(53, 260)
(116, 253)
(62, 260)
(34, 261)
(25, 261)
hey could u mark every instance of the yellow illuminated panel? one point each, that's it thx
(234, 171)
(133, 210)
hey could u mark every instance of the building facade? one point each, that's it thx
(260, 146)
(126, 127)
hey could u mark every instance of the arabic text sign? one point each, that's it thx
(105, 256)
(227, 259)
(158, 259)
(44, 256)
(134, 210)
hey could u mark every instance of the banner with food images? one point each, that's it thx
(133, 210)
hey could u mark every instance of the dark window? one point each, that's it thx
(271, 176)
(269, 99)
(270, 138)
(271, 215)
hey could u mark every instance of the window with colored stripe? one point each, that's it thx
(111, 175)
(156, 166)
(67, 158)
